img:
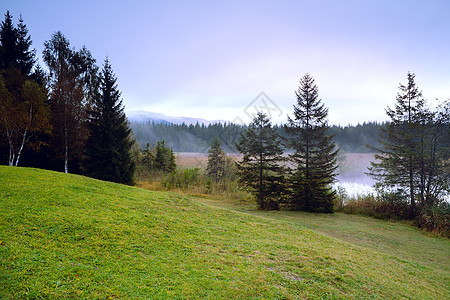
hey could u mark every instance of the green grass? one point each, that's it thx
(67, 236)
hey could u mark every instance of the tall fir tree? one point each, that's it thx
(314, 152)
(215, 167)
(261, 169)
(23, 107)
(164, 158)
(8, 40)
(108, 148)
(148, 157)
(412, 158)
(25, 59)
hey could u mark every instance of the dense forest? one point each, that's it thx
(197, 138)
(69, 117)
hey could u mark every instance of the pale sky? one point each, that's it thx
(211, 59)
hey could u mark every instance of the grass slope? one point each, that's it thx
(67, 236)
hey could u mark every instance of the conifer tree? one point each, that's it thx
(148, 157)
(413, 157)
(8, 40)
(216, 161)
(260, 168)
(164, 158)
(23, 107)
(25, 59)
(314, 152)
(108, 148)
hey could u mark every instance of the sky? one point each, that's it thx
(222, 60)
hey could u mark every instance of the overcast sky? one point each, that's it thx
(211, 59)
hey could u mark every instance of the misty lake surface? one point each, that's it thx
(351, 170)
(351, 173)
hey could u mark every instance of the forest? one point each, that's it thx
(69, 117)
(198, 138)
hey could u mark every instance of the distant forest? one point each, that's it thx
(199, 137)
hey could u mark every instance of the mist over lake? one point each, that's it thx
(351, 173)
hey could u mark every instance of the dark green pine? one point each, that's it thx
(314, 153)
(108, 148)
(216, 160)
(261, 167)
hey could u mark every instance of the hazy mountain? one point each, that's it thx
(141, 116)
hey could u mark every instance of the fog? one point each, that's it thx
(352, 177)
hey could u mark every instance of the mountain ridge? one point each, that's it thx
(142, 116)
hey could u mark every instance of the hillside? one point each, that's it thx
(67, 236)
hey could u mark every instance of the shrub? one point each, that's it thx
(435, 219)
(184, 178)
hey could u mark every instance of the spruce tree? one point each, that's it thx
(23, 107)
(25, 59)
(8, 40)
(164, 158)
(314, 152)
(412, 161)
(216, 161)
(260, 168)
(148, 157)
(108, 148)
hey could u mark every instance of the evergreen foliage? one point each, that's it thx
(164, 158)
(314, 152)
(198, 138)
(187, 138)
(8, 39)
(148, 157)
(260, 168)
(215, 168)
(413, 160)
(108, 148)
(23, 107)
(360, 138)
(26, 57)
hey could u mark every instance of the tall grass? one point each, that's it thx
(194, 181)
(389, 206)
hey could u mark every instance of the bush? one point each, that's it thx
(393, 206)
(435, 219)
(184, 178)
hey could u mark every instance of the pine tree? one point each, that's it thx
(260, 168)
(25, 59)
(23, 107)
(8, 40)
(148, 157)
(413, 155)
(314, 156)
(164, 158)
(108, 148)
(216, 161)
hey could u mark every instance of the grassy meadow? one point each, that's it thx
(66, 236)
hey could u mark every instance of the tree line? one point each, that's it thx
(361, 138)
(69, 118)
